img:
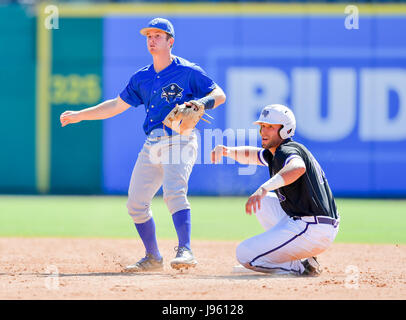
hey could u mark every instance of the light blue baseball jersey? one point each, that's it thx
(159, 92)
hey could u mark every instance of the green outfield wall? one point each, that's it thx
(75, 150)
(33, 141)
(17, 94)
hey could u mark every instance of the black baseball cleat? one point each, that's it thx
(311, 267)
(184, 259)
(146, 264)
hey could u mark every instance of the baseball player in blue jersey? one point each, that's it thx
(168, 81)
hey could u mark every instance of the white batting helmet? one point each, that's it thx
(279, 114)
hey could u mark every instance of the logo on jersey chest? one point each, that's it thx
(280, 196)
(172, 92)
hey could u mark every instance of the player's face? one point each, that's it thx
(270, 135)
(158, 42)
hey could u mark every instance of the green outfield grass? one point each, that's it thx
(213, 218)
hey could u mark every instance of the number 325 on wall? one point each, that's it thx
(75, 89)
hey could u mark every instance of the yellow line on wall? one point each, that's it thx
(44, 61)
(225, 9)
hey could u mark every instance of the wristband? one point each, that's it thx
(208, 102)
(274, 183)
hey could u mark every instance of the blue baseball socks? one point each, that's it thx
(183, 226)
(182, 222)
(147, 233)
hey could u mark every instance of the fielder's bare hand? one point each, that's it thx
(254, 201)
(217, 153)
(69, 117)
(193, 104)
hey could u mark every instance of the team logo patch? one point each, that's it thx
(265, 113)
(172, 92)
(280, 196)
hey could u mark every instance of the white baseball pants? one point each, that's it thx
(166, 162)
(285, 240)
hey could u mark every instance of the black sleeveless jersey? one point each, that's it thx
(310, 195)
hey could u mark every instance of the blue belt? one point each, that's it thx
(157, 138)
(158, 135)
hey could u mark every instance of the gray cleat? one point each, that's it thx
(311, 267)
(146, 264)
(184, 259)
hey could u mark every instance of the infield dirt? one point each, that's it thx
(59, 268)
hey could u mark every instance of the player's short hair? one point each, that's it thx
(168, 36)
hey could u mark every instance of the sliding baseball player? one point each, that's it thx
(295, 206)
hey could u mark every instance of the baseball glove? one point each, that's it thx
(183, 119)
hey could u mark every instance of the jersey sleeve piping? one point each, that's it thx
(293, 156)
(261, 157)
